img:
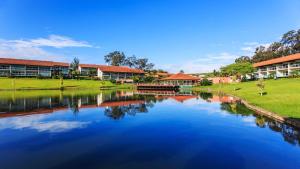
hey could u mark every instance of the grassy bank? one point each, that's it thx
(282, 95)
(50, 84)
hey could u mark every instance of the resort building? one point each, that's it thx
(279, 67)
(120, 73)
(180, 79)
(33, 68)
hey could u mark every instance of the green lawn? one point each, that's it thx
(33, 83)
(283, 95)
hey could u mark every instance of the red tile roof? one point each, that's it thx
(278, 60)
(31, 62)
(183, 98)
(105, 68)
(89, 65)
(180, 76)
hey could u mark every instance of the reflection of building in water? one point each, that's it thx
(222, 99)
(50, 104)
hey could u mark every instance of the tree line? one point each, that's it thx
(289, 44)
(118, 58)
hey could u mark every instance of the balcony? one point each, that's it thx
(295, 66)
(283, 67)
(272, 69)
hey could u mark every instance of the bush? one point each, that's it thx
(113, 81)
(205, 82)
(244, 79)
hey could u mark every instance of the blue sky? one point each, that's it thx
(193, 35)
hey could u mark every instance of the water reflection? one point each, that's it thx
(235, 107)
(32, 112)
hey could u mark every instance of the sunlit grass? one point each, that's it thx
(33, 83)
(282, 95)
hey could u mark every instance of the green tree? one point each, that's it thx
(243, 59)
(74, 68)
(131, 61)
(115, 58)
(237, 69)
(289, 44)
(261, 85)
(144, 64)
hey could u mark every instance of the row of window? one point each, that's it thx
(283, 66)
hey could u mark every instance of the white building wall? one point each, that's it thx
(99, 74)
(281, 70)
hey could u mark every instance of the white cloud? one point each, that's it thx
(33, 48)
(39, 123)
(249, 47)
(58, 42)
(202, 65)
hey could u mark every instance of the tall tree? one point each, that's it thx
(289, 44)
(131, 61)
(74, 68)
(75, 64)
(243, 59)
(115, 58)
(144, 64)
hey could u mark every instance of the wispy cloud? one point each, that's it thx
(40, 124)
(249, 47)
(34, 48)
(201, 65)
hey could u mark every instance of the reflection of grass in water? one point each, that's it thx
(44, 93)
(282, 95)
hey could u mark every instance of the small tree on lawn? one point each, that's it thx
(261, 86)
(74, 67)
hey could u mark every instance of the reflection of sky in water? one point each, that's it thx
(167, 134)
(41, 123)
(57, 122)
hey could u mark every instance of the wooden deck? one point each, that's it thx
(157, 87)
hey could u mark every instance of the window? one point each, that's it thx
(4, 67)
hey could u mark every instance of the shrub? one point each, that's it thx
(113, 81)
(205, 82)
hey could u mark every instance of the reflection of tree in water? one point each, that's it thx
(289, 133)
(73, 104)
(236, 108)
(260, 121)
(205, 95)
(118, 112)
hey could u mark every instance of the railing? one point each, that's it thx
(272, 69)
(283, 67)
(296, 65)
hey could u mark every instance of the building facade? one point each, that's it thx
(279, 67)
(34, 68)
(180, 79)
(119, 73)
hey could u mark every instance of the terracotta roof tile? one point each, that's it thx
(278, 60)
(183, 98)
(181, 76)
(105, 68)
(31, 62)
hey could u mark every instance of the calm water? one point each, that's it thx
(129, 130)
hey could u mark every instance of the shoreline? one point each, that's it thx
(258, 110)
